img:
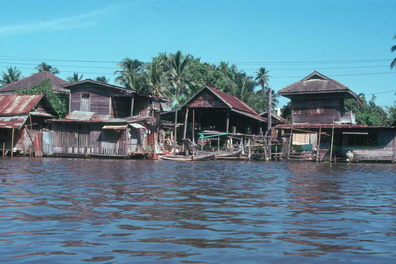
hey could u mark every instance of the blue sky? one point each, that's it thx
(346, 40)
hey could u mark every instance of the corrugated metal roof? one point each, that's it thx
(12, 121)
(80, 115)
(233, 101)
(15, 104)
(136, 125)
(115, 127)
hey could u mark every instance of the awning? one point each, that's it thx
(115, 127)
(136, 125)
(12, 121)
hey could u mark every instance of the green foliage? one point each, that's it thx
(75, 78)
(102, 79)
(393, 48)
(57, 101)
(12, 74)
(177, 77)
(46, 67)
(367, 112)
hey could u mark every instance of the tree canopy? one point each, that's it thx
(11, 74)
(46, 67)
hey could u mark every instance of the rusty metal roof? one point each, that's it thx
(15, 104)
(80, 115)
(12, 121)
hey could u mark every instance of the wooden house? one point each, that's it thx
(213, 111)
(105, 120)
(322, 129)
(22, 120)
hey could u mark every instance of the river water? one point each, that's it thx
(123, 211)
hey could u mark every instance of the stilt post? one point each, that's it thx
(332, 143)
(318, 147)
(185, 124)
(12, 143)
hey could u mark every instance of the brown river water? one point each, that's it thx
(125, 211)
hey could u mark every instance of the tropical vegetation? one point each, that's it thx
(11, 74)
(46, 67)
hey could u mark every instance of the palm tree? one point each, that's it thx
(262, 80)
(11, 75)
(155, 80)
(46, 67)
(393, 63)
(179, 65)
(130, 73)
(75, 78)
(102, 79)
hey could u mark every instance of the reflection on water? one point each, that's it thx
(122, 211)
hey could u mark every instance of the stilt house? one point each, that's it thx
(322, 129)
(105, 120)
(213, 111)
(22, 120)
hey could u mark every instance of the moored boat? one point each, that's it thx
(198, 157)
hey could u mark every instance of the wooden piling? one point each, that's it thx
(331, 144)
(193, 127)
(12, 143)
(175, 139)
(318, 145)
(185, 124)
(4, 149)
(290, 143)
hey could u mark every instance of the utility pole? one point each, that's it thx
(269, 111)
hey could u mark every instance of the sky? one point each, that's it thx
(346, 40)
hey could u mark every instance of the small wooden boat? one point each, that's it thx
(197, 157)
(227, 154)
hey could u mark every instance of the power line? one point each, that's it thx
(215, 62)
(351, 74)
(278, 69)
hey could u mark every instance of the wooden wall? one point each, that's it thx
(206, 99)
(316, 110)
(91, 139)
(99, 99)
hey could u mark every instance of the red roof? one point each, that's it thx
(35, 79)
(15, 104)
(232, 101)
(13, 121)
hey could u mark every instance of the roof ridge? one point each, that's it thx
(236, 98)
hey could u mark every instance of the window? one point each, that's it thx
(85, 102)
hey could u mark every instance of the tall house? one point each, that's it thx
(317, 99)
(105, 120)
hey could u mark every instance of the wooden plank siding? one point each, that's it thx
(207, 100)
(319, 111)
(91, 139)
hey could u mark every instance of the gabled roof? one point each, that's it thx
(234, 103)
(15, 104)
(35, 79)
(76, 84)
(316, 83)
(277, 117)
(230, 100)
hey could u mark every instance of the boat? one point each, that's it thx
(197, 157)
(228, 154)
